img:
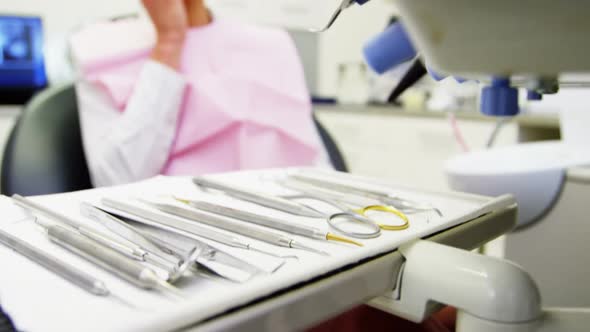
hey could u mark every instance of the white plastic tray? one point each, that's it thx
(40, 301)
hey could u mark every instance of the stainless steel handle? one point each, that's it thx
(222, 223)
(90, 232)
(62, 269)
(255, 197)
(157, 219)
(29, 204)
(105, 257)
(152, 252)
(132, 253)
(258, 219)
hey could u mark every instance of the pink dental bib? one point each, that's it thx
(246, 104)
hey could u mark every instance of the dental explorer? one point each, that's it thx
(277, 239)
(257, 198)
(184, 226)
(127, 249)
(268, 221)
(361, 190)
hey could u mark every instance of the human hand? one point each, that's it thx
(170, 20)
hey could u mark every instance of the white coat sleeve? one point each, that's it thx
(127, 146)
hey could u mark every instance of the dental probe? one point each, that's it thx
(128, 249)
(384, 197)
(269, 201)
(107, 258)
(277, 239)
(268, 221)
(179, 224)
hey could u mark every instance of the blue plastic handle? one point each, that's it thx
(389, 49)
(500, 98)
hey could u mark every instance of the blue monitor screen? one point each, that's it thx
(21, 53)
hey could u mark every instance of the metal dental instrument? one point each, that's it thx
(212, 258)
(258, 198)
(268, 221)
(108, 259)
(383, 197)
(152, 245)
(285, 205)
(175, 223)
(344, 213)
(337, 200)
(153, 253)
(180, 226)
(343, 5)
(55, 265)
(127, 249)
(277, 239)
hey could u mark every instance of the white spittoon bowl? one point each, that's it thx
(532, 172)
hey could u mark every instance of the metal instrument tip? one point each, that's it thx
(170, 289)
(181, 200)
(278, 267)
(309, 212)
(440, 214)
(125, 302)
(333, 19)
(297, 245)
(334, 237)
(42, 224)
(283, 257)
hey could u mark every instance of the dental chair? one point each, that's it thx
(44, 152)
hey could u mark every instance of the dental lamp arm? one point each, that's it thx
(393, 47)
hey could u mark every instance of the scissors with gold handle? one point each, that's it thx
(359, 215)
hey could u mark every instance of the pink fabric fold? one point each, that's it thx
(247, 105)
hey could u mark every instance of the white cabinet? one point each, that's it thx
(409, 149)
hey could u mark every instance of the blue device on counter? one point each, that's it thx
(22, 66)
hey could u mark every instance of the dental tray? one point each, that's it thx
(300, 293)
